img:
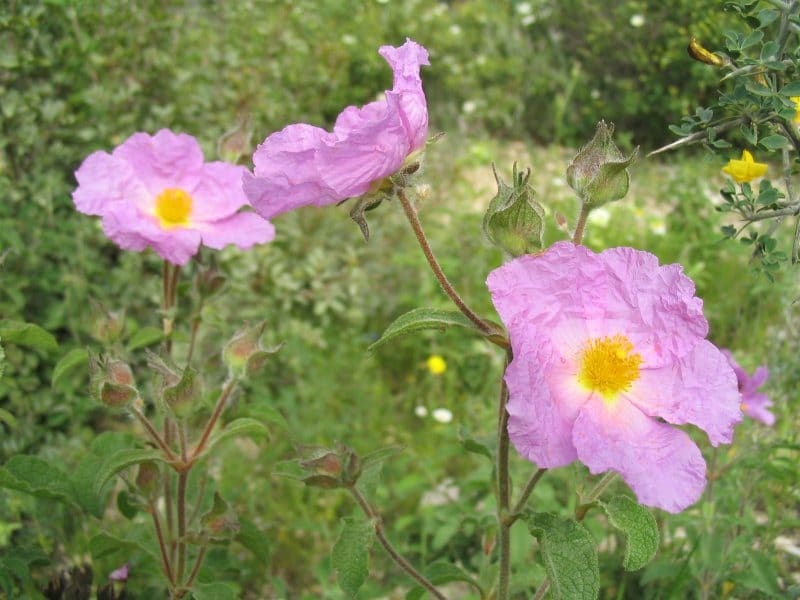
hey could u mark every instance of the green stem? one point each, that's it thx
(151, 431)
(169, 507)
(183, 477)
(526, 493)
(161, 545)
(416, 226)
(198, 562)
(377, 521)
(581, 225)
(503, 492)
(223, 398)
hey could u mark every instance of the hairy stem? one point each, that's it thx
(416, 225)
(396, 556)
(198, 562)
(165, 564)
(503, 492)
(523, 499)
(169, 507)
(154, 435)
(223, 398)
(183, 477)
(581, 225)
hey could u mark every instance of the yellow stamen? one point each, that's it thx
(173, 207)
(608, 366)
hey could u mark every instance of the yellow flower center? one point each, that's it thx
(608, 365)
(436, 365)
(173, 207)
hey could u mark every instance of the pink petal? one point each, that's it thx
(370, 152)
(543, 402)
(699, 389)
(219, 192)
(286, 176)
(659, 299)
(244, 229)
(102, 180)
(756, 407)
(405, 62)
(661, 464)
(165, 160)
(132, 230)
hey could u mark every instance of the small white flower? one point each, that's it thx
(348, 40)
(595, 94)
(524, 8)
(528, 20)
(421, 412)
(557, 182)
(469, 107)
(637, 20)
(600, 217)
(658, 227)
(455, 29)
(442, 415)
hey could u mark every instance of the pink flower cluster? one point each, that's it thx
(609, 350)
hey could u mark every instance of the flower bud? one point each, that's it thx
(244, 354)
(220, 523)
(111, 382)
(599, 172)
(148, 477)
(109, 326)
(182, 397)
(209, 281)
(514, 221)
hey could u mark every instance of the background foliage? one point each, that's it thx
(80, 76)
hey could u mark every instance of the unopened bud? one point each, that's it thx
(109, 326)
(220, 523)
(599, 172)
(182, 397)
(111, 382)
(148, 478)
(244, 354)
(514, 221)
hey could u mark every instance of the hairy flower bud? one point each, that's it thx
(182, 397)
(599, 172)
(220, 523)
(514, 221)
(244, 354)
(111, 381)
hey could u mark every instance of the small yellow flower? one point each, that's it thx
(796, 100)
(436, 365)
(745, 169)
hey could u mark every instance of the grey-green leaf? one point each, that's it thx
(380, 455)
(236, 428)
(350, 555)
(213, 591)
(146, 336)
(27, 334)
(77, 357)
(421, 319)
(34, 475)
(122, 459)
(774, 142)
(570, 556)
(639, 527)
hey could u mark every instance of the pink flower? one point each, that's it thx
(608, 349)
(157, 191)
(754, 404)
(120, 574)
(305, 165)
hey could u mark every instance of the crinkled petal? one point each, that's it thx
(758, 379)
(756, 406)
(543, 402)
(244, 229)
(132, 230)
(659, 300)
(286, 175)
(164, 160)
(370, 152)
(661, 464)
(405, 62)
(699, 389)
(103, 180)
(219, 192)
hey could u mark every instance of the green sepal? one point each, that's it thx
(514, 221)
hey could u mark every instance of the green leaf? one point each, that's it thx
(380, 455)
(7, 418)
(442, 572)
(213, 591)
(34, 475)
(774, 142)
(639, 527)
(769, 50)
(75, 358)
(122, 459)
(752, 39)
(27, 334)
(569, 554)
(484, 446)
(255, 540)
(350, 554)
(146, 336)
(236, 428)
(761, 575)
(421, 319)
(106, 444)
(791, 89)
(105, 544)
